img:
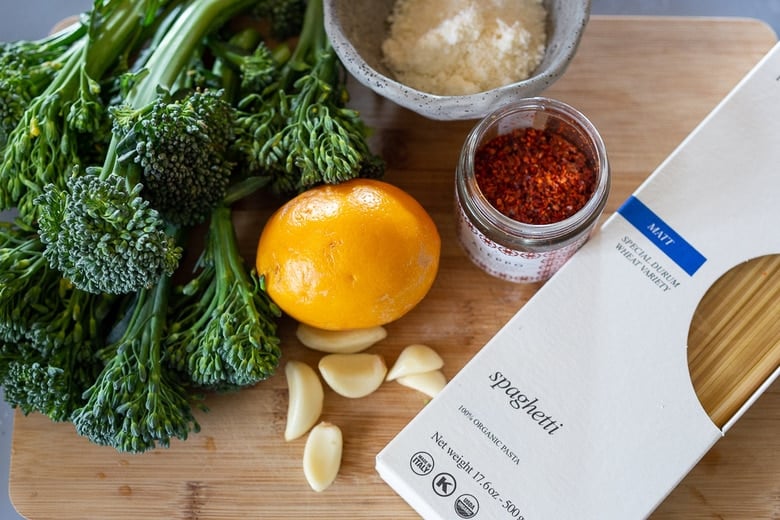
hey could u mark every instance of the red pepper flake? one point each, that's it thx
(534, 176)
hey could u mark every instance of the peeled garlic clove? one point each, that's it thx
(339, 341)
(322, 455)
(306, 396)
(429, 383)
(353, 375)
(415, 359)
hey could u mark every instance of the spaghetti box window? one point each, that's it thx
(582, 405)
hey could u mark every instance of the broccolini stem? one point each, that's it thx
(151, 352)
(181, 40)
(66, 36)
(244, 188)
(224, 236)
(311, 37)
(113, 31)
(312, 33)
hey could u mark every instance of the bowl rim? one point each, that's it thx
(447, 107)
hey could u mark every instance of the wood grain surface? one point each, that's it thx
(645, 83)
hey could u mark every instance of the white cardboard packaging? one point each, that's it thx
(582, 405)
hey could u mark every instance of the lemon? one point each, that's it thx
(352, 255)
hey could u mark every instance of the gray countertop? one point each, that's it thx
(33, 18)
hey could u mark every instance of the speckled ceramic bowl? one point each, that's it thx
(358, 28)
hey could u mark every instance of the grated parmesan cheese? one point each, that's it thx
(458, 47)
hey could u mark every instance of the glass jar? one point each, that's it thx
(509, 248)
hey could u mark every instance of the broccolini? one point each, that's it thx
(100, 229)
(136, 403)
(222, 333)
(49, 330)
(181, 147)
(298, 129)
(26, 69)
(60, 124)
(118, 137)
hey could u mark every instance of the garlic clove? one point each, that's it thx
(339, 341)
(306, 397)
(322, 455)
(353, 375)
(415, 359)
(429, 383)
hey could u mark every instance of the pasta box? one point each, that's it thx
(608, 386)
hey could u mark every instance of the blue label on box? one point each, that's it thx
(662, 235)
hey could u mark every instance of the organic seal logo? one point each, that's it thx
(421, 463)
(466, 506)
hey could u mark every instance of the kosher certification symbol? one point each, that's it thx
(421, 463)
(444, 484)
(466, 506)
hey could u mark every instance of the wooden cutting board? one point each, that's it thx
(645, 83)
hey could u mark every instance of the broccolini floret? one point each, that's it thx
(298, 129)
(285, 16)
(22, 268)
(33, 386)
(26, 68)
(49, 330)
(255, 64)
(181, 147)
(103, 235)
(136, 403)
(223, 334)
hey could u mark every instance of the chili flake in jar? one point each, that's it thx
(531, 183)
(534, 175)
